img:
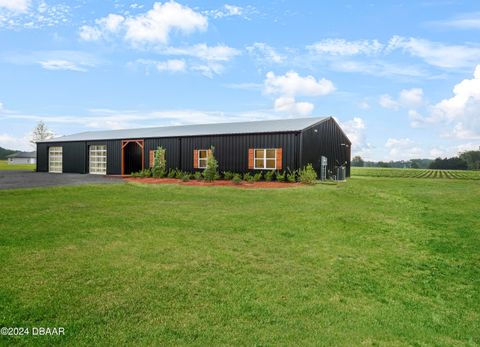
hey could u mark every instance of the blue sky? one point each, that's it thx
(402, 77)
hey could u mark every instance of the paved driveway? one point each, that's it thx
(30, 179)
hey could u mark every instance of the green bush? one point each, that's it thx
(211, 171)
(257, 177)
(179, 174)
(292, 176)
(308, 175)
(198, 175)
(237, 179)
(280, 176)
(171, 173)
(269, 176)
(228, 175)
(247, 177)
(186, 177)
(159, 163)
(142, 174)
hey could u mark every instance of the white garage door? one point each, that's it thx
(55, 159)
(98, 160)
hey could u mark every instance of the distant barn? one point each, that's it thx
(22, 158)
(287, 144)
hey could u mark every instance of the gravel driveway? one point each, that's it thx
(31, 179)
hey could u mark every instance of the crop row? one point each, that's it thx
(416, 173)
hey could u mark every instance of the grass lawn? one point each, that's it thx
(5, 166)
(374, 261)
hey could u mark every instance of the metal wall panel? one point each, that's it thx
(325, 139)
(42, 157)
(73, 160)
(114, 157)
(231, 151)
(172, 153)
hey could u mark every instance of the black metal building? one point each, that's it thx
(239, 147)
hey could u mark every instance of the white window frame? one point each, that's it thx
(55, 156)
(97, 159)
(264, 158)
(198, 159)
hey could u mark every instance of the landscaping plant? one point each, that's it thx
(308, 175)
(280, 176)
(211, 171)
(247, 177)
(269, 176)
(172, 173)
(237, 179)
(257, 177)
(198, 175)
(292, 176)
(159, 163)
(228, 175)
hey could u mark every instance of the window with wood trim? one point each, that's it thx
(202, 158)
(265, 159)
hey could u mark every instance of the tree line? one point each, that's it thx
(469, 160)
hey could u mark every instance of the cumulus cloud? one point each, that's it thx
(151, 27)
(292, 84)
(172, 65)
(287, 104)
(203, 51)
(463, 21)
(32, 14)
(226, 11)
(407, 98)
(21, 143)
(402, 149)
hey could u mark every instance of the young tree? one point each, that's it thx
(40, 133)
(159, 163)
(357, 161)
(211, 171)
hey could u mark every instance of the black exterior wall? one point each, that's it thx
(325, 139)
(298, 148)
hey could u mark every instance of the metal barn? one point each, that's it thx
(240, 147)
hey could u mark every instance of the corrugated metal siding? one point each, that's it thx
(73, 160)
(172, 147)
(232, 151)
(325, 142)
(114, 157)
(42, 157)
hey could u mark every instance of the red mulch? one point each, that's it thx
(260, 184)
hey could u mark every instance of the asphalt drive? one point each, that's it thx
(29, 179)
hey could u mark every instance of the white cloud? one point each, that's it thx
(15, 143)
(437, 54)
(226, 11)
(287, 104)
(151, 27)
(465, 21)
(402, 149)
(203, 51)
(343, 47)
(462, 110)
(292, 84)
(57, 64)
(364, 105)
(386, 101)
(172, 65)
(408, 98)
(265, 54)
(15, 5)
(355, 130)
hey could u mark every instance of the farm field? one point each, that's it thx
(373, 261)
(5, 166)
(415, 173)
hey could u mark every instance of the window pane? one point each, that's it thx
(259, 163)
(271, 153)
(202, 154)
(202, 163)
(270, 163)
(260, 153)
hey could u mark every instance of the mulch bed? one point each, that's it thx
(260, 184)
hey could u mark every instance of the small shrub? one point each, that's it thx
(198, 175)
(171, 173)
(237, 179)
(135, 174)
(186, 177)
(247, 177)
(280, 176)
(292, 176)
(159, 163)
(228, 175)
(211, 171)
(308, 175)
(257, 177)
(269, 175)
(179, 174)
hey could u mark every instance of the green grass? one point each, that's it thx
(5, 166)
(373, 261)
(415, 173)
